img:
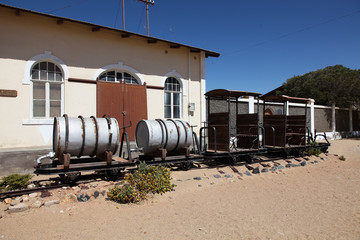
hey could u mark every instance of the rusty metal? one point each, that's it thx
(115, 98)
(96, 135)
(83, 135)
(109, 156)
(67, 159)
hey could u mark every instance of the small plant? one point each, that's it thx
(342, 158)
(147, 179)
(15, 181)
(124, 194)
(314, 149)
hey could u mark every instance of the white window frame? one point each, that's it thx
(46, 56)
(122, 80)
(47, 90)
(120, 67)
(172, 98)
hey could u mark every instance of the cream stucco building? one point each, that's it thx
(52, 66)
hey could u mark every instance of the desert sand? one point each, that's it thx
(317, 201)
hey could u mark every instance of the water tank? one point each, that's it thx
(85, 136)
(172, 135)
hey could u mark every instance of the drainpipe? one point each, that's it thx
(189, 87)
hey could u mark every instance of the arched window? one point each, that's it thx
(172, 98)
(47, 80)
(118, 76)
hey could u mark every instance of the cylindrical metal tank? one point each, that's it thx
(172, 135)
(85, 136)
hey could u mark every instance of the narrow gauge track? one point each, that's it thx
(83, 179)
(16, 193)
(57, 183)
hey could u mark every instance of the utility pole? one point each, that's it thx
(123, 10)
(147, 2)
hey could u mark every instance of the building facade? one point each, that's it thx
(53, 66)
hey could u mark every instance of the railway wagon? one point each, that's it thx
(231, 135)
(288, 134)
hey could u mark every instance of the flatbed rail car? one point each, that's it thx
(231, 135)
(90, 144)
(288, 134)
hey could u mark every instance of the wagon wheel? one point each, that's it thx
(112, 174)
(187, 165)
(232, 160)
(69, 178)
(296, 152)
(324, 149)
(248, 159)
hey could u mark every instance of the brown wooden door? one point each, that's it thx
(115, 98)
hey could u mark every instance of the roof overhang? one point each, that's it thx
(223, 93)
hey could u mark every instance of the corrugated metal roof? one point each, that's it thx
(123, 32)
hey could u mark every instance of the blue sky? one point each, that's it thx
(262, 43)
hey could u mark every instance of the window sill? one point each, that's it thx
(38, 121)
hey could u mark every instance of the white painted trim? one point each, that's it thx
(203, 88)
(312, 117)
(119, 66)
(333, 118)
(46, 56)
(37, 121)
(251, 104)
(287, 108)
(325, 107)
(176, 75)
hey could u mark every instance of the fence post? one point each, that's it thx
(312, 116)
(333, 119)
(251, 104)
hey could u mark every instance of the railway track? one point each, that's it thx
(16, 193)
(83, 179)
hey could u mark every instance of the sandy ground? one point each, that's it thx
(318, 201)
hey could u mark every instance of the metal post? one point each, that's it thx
(258, 125)
(123, 10)
(147, 18)
(229, 129)
(147, 2)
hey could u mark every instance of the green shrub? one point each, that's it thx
(147, 179)
(314, 149)
(342, 158)
(124, 194)
(15, 181)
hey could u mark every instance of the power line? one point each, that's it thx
(147, 2)
(291, 33)
(67, 6)
(117, 13)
